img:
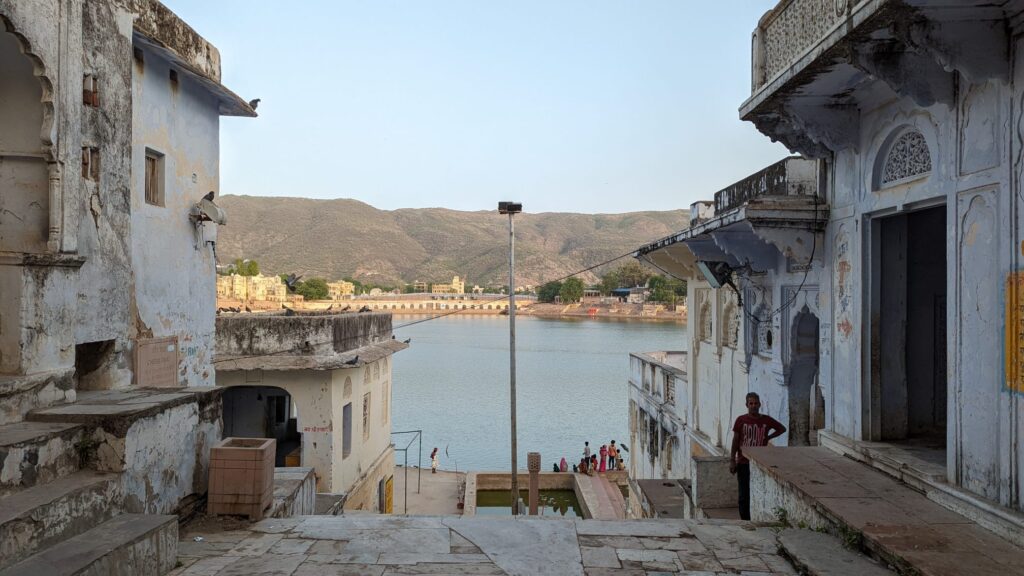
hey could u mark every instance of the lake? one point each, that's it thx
(572, 386)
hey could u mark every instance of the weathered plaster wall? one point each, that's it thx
(970, 144)
(103, 229)
(175, 271)
(164, 457)
(368, 443)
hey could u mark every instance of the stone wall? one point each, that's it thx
(308, 333)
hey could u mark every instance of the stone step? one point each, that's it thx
(40, 516)
(615, 498)
(20, 394)
(818, 554)
(127, 545)
(34, 453)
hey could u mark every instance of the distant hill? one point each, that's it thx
(339, 238)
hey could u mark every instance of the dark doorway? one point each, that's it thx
(264, 412)
(909, 354)
(803, 378)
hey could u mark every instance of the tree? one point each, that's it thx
(628, 275)
(547, 292)
(245, 267)
(666, 290)
(313, 289)
(571, 291)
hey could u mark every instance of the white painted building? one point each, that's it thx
(752, 335)
(320, 384)
(911, 107)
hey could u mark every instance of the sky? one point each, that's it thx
(596, 106)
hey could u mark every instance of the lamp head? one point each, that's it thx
(509, 207)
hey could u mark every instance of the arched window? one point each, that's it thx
(706, 321)
(904, 158)
(730, 324)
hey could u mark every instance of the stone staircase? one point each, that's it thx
(62, 510)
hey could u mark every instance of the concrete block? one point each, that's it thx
(712, 484)
(818, 554)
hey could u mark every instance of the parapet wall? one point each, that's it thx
(305, 333)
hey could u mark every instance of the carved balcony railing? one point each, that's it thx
(791, 30)
(789, 177)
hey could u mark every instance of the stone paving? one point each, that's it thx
(406, 545)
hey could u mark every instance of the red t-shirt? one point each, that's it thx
(753, 431)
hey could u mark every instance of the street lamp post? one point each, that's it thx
(512, 208)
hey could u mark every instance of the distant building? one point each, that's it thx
(477, 290)
(420, 287)
(258, 288)
(458, 286)
(341, 289)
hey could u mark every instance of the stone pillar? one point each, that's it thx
(533, 464)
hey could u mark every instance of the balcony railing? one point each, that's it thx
(788, 177)
(790, 30)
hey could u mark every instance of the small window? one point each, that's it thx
(91, 163)
(384, 395)
(91, 91)
(154, 178)
(346, 441)
(366, 416)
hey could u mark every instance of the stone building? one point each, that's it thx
(457, 286)
(910, 107)
(109, 140)
(319, 383)
(753, 333)
(341, 289)
(258, 288)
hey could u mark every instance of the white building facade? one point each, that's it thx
(910, 106)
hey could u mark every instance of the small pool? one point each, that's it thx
(552, 503)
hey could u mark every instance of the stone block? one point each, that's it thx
(712, 484)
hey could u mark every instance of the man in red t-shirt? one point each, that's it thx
(750, 429)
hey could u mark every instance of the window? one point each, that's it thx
(366, 416)
(346, 441)
(384, 396)
(91, 163)
(670, 389)
(154, 178)
(91, 91)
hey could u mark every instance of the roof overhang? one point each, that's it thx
(754, 235)
(230, 104)
(808, 90)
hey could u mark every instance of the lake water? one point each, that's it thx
(572, 386)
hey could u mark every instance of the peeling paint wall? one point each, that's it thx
(174, 267)
(970, 144)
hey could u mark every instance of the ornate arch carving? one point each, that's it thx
(905, 157)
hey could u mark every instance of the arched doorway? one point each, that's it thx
(803, 378)
(264, 412)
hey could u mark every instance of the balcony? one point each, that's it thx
(776, 211)
(817, 63)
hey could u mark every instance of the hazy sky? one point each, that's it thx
(568, 105)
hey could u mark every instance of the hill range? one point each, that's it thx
(347, 238)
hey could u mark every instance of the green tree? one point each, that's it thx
(313, 289)
(571, 291)
(547, 292)
(245, 267)
(666, 290)
(609, 282)
(632, 274)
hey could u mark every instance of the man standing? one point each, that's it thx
(613, 455)
(750, 429)
(586, 451)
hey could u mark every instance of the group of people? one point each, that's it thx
(607, 458)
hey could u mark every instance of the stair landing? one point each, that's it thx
(897, 523)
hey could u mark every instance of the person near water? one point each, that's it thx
(584, 462)
(586, 451)
(750, 429)
(602, 466)
(563, 466)
(434, 463)
(593, 463)
(555, 468)
(613, 455)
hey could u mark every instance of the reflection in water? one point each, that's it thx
(498, 502)
(572, 381)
